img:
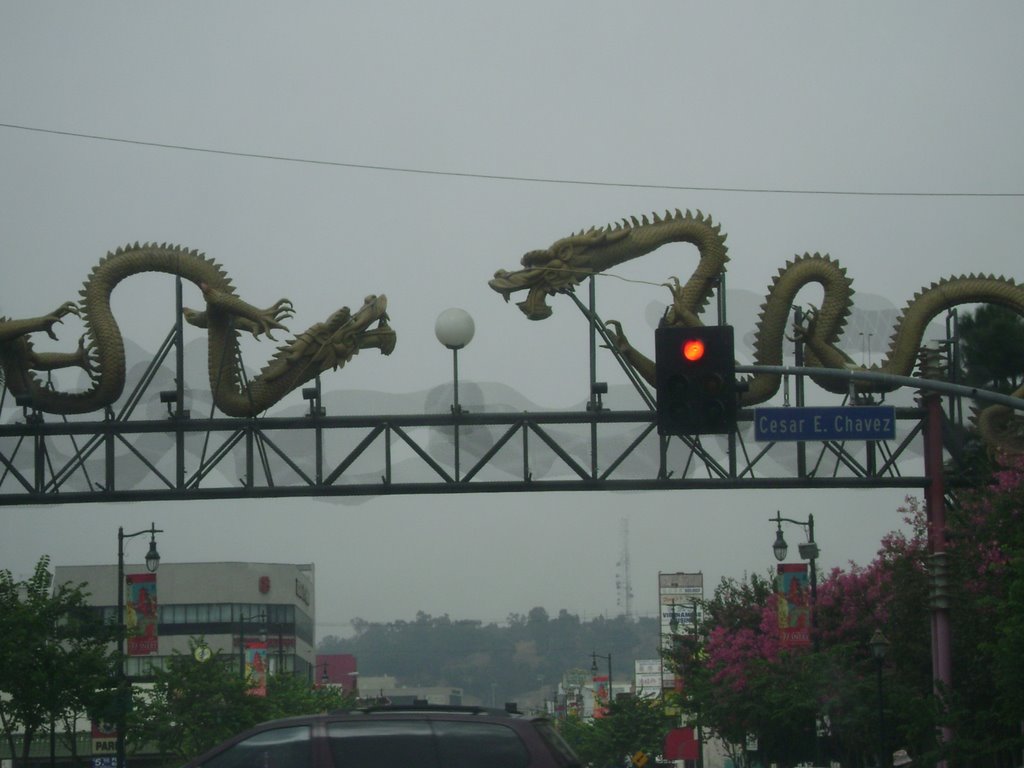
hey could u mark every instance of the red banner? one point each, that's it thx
(680, 744)
(601, 696)
(794, 605)
(256, 668)
(141, 613)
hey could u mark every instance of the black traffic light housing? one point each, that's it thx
(695, 380)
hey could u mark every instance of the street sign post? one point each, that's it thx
(859, 422)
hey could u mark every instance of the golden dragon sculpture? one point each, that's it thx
(570, 260)
(323, 346)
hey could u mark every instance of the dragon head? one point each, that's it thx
(367, 328)
(355, 331)
(558, 269)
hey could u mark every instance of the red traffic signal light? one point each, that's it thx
(693, 349)
(695, 374)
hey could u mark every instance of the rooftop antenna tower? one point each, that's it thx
(623, 579)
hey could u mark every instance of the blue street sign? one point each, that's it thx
(859, 422)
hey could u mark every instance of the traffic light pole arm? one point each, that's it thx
(891, 380)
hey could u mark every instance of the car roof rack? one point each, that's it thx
(422, 705)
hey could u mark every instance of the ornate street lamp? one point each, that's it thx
(808, 551)
(780, 548)
(593, 669)
(152, 563)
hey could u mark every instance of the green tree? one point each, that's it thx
(508, 662)
(194, 705)
(993, 347)
(632, 725)
(56, 663)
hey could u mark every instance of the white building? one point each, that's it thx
(226, 604)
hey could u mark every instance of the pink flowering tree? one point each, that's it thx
(985, 545)
(816, 706)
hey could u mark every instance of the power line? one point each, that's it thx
(505, 177)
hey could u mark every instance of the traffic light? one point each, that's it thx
(695, 380)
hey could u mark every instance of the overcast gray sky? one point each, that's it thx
(447, 139)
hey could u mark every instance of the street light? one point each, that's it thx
(879, 644)
(455, 328)
(808, 551)
(152, 563)
(593, 669)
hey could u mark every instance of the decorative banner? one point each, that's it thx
(680, 744)
(141, 613)
(256, 668)
(601, 696)
(794, 605)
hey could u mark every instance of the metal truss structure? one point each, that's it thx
(182, 458)
(53, 460)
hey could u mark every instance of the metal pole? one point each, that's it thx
(814, 582)
(942, 666)
(123, 691)
(593, 335)
(611, 694)
(179, 389)
(121, 720)
(882, 762)
(241, 645)
(456, 408)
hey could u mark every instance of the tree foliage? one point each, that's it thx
(993, 347)
(812, 706)
(531, 652)
(194, 705)
(56, 663)
(632, 724)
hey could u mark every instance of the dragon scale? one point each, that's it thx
(324, 345)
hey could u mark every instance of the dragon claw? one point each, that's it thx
(57, 316)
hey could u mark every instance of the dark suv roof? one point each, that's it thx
(427, 736)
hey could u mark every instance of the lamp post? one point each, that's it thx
(879, 644)
(152, 563)
(808, 551)
(455, 328)
(593, 669)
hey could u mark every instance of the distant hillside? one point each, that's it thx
(532, 653)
